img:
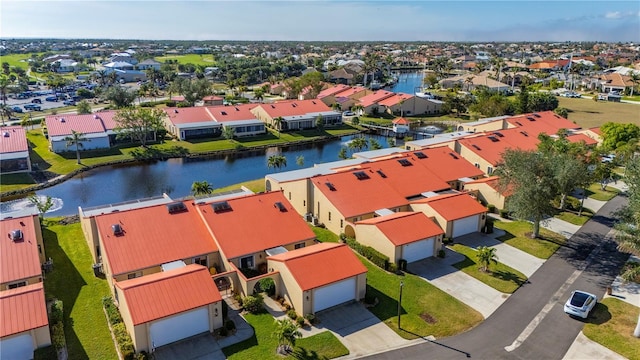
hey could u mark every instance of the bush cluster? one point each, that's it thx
(125, 344)
(491, 208)
(370, 253)
(56, 312)
(292, 314)
(253, 303)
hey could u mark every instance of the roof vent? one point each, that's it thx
(453, 155)
(475, 146)
(273, 106)
(280, 206)
(420, 155)
(531, 118)
(175, 111)
(524, 133)
(518, 123)
(223, 112)
(294, 105)
(221, 206)
(382, 175)
(5, 134)
(62, 120)
(405, 162)
(117, 229)
(493, 138)
(237, 109)
(498, 134)
(330, 186)
(176, 207)
(537, 115)
(313, 102)
(361, 175)
(16, 235)
(95, 116)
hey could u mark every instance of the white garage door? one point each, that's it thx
(417, 250)
(179, 327)
(18, 347)
(334, 294)
(465, 226)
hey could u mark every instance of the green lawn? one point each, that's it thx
(611, 324)
(324, 235)
(17, 60)
(516, 236)
(500, 276)
(195, 59)
(426, 310)
(263, 344)
(73, 282)
(253, 185)
(573, 218)
(9, 182)
(596, 193)
(588, 113)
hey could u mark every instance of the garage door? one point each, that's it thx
(334, 294)
(418, 250)
(465, 226)
(18, 347)
(179, 327)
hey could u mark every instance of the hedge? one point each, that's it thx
(56, 312)
(57, 336)
(370, 253)
(125, 344)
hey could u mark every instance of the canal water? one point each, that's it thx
(408, 83)
(113, 184)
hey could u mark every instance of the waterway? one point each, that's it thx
(113, 184)
(408, 83)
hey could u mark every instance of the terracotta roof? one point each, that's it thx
(446, 164)
(395, 99)
(405, 227)
(294, 108)
(336, 261)
(254, 223)
(401, 121)
(332, 90)
(454, 206)
(166, 293)
(13, 139)
(375, 97)
(350, 92)
(493, 182)
(232, 113)
(22, 309)
(596, 130)
(549, 64)
(490, 146)
(350, 193)
(582, 137)
(408, 180)
(212, 97)
(152, 236)
(18, 259)
(615, 79)
(61, 125)
(546, 122)
(188, 115)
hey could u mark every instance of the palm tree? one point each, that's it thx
(258, 94)
(469, 81)
(286, 333)
(300, 160)
(201, 188)
(358, 109)
(486, 256)
(276, 161)
(635, 79)
(277, 122)
(358, 144)
(76, 139)
(228, 132)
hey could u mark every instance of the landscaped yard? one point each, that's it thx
(263, 344)
(324, 235)
(500, 276)
(588, 113)
(517, 236)
(195, 59)
(596, 193)
(73, 282)
(611, 324)
(573, 218)
(426, 310)
(254, 185)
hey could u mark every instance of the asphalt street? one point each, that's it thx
(531, 324)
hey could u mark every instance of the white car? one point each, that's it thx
(580, 304)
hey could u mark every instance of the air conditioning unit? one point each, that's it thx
(16, 235)
(315, 221)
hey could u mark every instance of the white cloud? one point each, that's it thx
(613, 15)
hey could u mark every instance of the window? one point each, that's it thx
(299, 246)
(200, 261)
(246, 262)
(289, 195)
(304, 202)
(39, 249)
(17, 285)
(341, 223)
(489, 170)
(329, 215)
(134, 275)
(477, 165)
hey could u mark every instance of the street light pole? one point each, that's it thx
(400, 302)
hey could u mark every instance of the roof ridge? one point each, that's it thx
(173, 273)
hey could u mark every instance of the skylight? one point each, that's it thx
(330, 186)
(382, 175)
(420, 155)
(405, 162)
(221, 206)
(361, 175)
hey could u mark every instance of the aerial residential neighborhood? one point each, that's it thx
(370, 189)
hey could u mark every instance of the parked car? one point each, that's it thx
(348, 113)
(16, 109)
(580, 304)
(33, 107)
(51, 98)
(69, 102)
(572, 94)
(36, 101)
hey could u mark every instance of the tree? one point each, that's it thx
(614, 134)
(192, 90)
(228, 132)
(374, 144)
(84, 107)
(42, 206)
(635, 79)
(277, 122)
(258, 94)
(300, 160)
(530, 178)
(523, 100)
(628, 228)
(120, 96)
(286, 333)
(319, 123)
(138, 123)
(358, 144)
(276, 161)
(486, 255)
(539, 101)
(342, 154)
(564, 112)
(76, 139)
(201, 188)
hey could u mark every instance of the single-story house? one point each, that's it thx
(488, 191)
(239, 118)
(97, 129)
(410, 236)
(149, 64)
(472, 82)
(191, 123)
(25, 325)
(14, 150)
(405, 105)
(169, 306)
(319, 277)
(458, 213)
(65, 65)
(213, 100)
(297, 114)
(119, 65)
(127, 76)
(21, 251)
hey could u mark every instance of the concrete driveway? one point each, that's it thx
(199, 347)
(461, 286)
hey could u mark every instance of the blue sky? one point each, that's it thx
(515, 20)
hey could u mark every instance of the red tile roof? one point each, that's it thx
(448, 165)
(405, 227)
(212, 97)
(22, 309)
(350, 193)
(375, 97)
(454, 206)
(61, 125)
(582, 137)
(321, 264)
(294, 108)
(493, 182)
(395, 99)
(546, 122)
(490, 145)
(188, 115)
(549, 64)
(332, 90)
(254, 223)
(401, 121)
(596, 130)
(18, 259)
(232, 113)
(408, 180)
(166, 293)
(152, 236)
(350, 92)
(13, 139)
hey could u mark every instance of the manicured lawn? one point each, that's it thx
(195, 59)
(611, 324)
(588, 113)
(324, 235)
(516, 236)
(253, 185)
(596, 193)
(263, 344)
(574, 219)
(18, 60)
(73, 282)
(500, 276)
(426, 310)
(10, 182)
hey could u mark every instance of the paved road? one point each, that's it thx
(531, 323)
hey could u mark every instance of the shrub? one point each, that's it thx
(287, 307)
(253, 303)
(57, 335)
(223, 331)
(238, 299)
(300, 321)
(171, 103)
(370, 253)
(310, 318)
(369, 298)
(229, 325)
(292, 314)
(112, 311)
(57, 314)
(267, 285)
(504, 214)
(491, 208)
(441, 253)
(447, 240)
(391, 267)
